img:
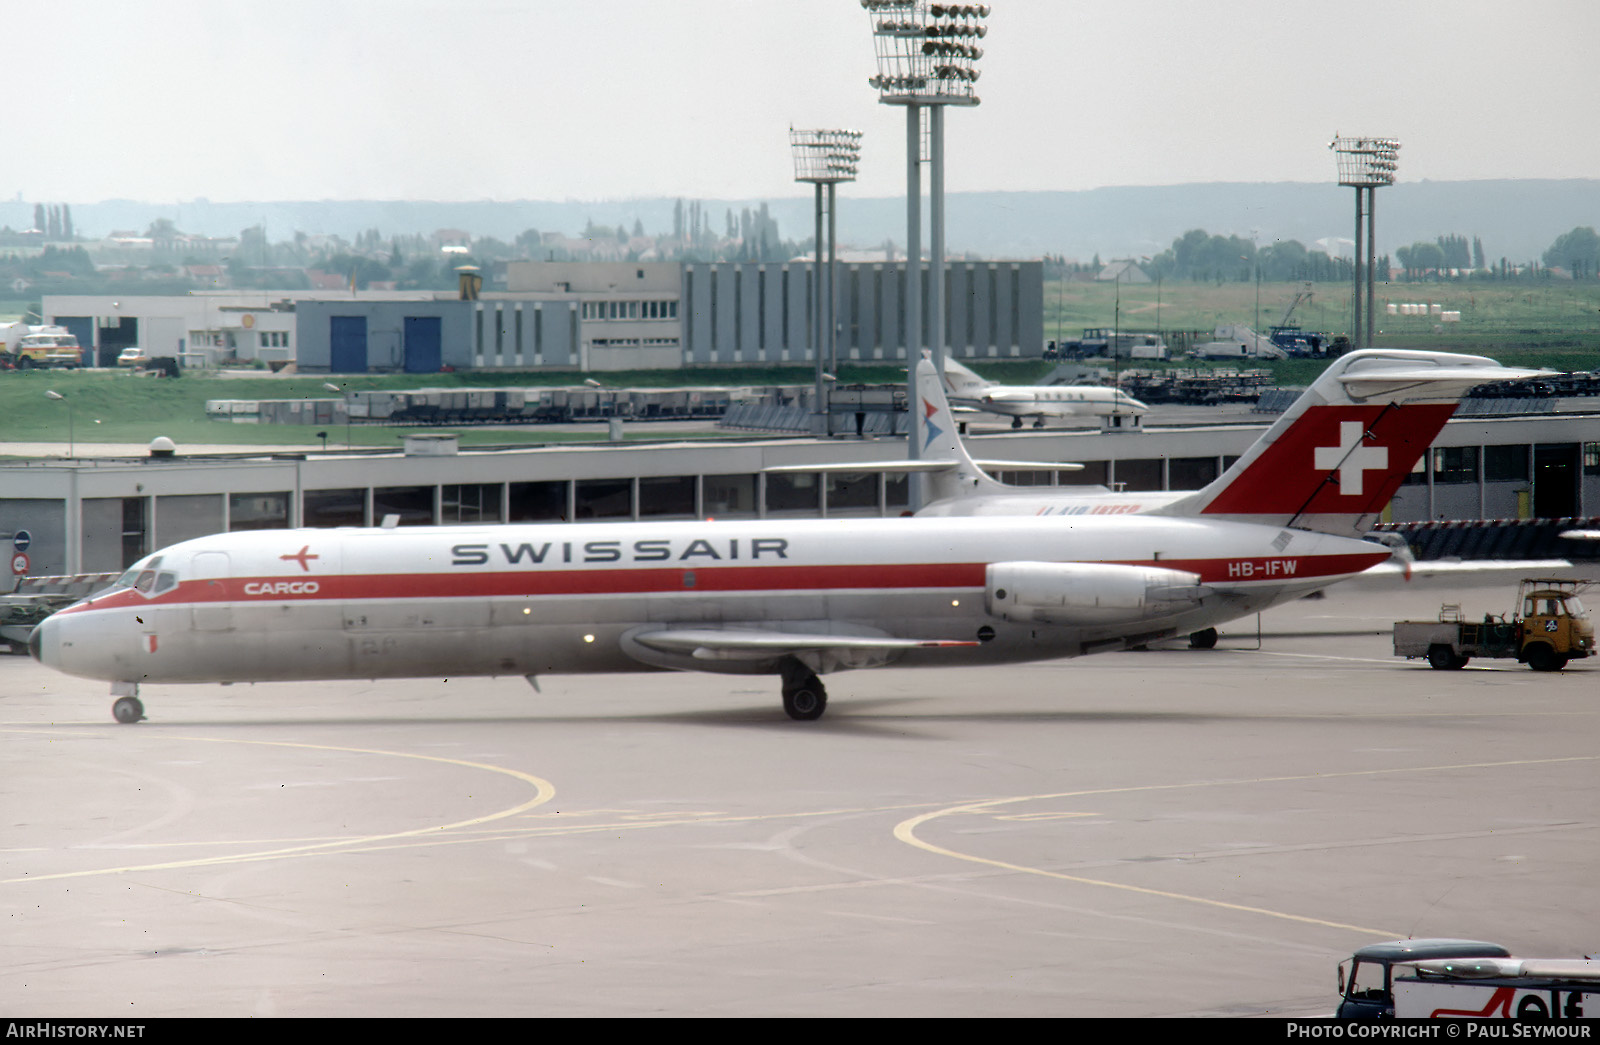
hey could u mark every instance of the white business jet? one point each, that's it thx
(969, 393)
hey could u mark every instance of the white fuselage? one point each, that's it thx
(573, 598)
(1051, 500)
(1047, 400)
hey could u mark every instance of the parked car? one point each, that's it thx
(133, 355)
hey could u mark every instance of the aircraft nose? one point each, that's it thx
(44, 642)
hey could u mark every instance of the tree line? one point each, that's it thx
(1199, 256)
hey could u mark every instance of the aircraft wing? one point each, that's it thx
(991, 465)
(900, 464)
(932, 464)
(739, 644)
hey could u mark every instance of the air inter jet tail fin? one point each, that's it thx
(1339, 453)
(950, 471)
(955, 473)
(941, 439)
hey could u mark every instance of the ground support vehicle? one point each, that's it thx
(1366, 991)
(35, 598)
(1550, 628)
(19, 613)
(43, 347)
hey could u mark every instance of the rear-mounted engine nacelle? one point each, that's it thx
(1087, 593)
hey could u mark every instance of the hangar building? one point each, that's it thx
(585, 316)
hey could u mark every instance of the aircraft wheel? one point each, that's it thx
(1443, 658)
(1206, 638)
(128, 710)
(1016, 422)
(807, 701)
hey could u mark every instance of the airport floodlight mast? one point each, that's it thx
(825, 158)
(927, 59)
(1365, 164)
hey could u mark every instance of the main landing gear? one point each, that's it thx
(127, 708)
(804, 697)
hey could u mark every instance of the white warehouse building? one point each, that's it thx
(586, 316)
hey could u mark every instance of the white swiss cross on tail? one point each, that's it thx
(1340, 452)
(1350, 457)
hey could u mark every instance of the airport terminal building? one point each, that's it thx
(101, 515)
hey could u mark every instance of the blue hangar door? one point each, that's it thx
(424, 354)
(347, 344)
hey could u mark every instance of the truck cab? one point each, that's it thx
(1366, 990)
(1555, 626)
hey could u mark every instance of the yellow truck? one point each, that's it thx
(1549, 629)
(26, 347)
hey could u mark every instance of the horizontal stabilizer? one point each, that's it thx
(1397, 573)
(1418, 384)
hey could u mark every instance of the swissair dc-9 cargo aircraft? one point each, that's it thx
(793, 598)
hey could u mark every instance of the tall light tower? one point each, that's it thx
(825, 158)
(1365, 164)
(927, 59)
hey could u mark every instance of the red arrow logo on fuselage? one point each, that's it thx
(301, 557)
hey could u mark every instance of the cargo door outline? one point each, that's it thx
(386, 628)
(212, 610)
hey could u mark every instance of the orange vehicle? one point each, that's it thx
(1550, 628)
(46, 347)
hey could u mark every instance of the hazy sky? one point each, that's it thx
(169, 100)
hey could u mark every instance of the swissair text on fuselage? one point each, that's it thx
(620, 551)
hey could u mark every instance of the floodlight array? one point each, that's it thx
(825, 156)
(1366, 162)
(927, 54)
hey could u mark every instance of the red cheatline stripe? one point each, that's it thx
(660, 580)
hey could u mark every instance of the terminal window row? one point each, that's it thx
(608, 310)
(1513, 462)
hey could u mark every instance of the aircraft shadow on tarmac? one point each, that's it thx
(865, 717)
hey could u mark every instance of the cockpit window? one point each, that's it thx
(137, 574)
(146, 579)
